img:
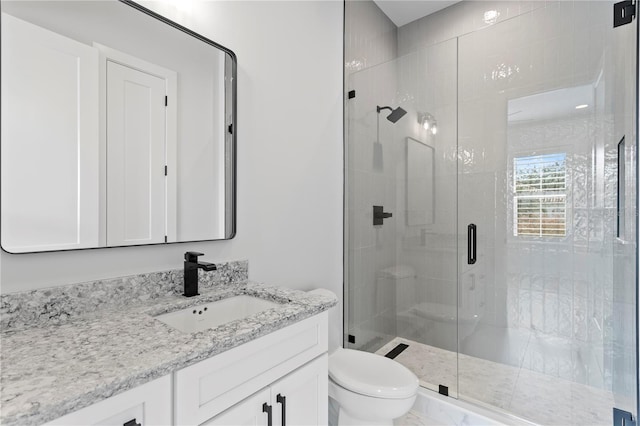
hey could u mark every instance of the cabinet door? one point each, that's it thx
(301, 398)
(249, 412)
(207, 388)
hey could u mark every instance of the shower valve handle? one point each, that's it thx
(379, 214)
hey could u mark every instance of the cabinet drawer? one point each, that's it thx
(149, 404)
(207, 388)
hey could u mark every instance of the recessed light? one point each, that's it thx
(581, 106)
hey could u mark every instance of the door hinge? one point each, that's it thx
(623, 12)
(166, 101)
(623, 418)
(351, 338)
(166, 170)
(352, 94)
(166, 239)
(230, 128)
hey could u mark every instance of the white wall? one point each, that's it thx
(289, 157)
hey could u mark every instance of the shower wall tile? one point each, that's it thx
(580, 308)
(461, 18)
(537, 310)
(580, 288)
(565, 320)
(551, 313)
(513, 307)
(551, 282)
(537, 281)
(371, 37)
(525, 309)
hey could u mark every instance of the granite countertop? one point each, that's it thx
(52, 370)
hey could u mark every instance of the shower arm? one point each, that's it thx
(378, 109)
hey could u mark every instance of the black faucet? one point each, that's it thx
(191, 266)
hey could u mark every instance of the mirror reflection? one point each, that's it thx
(420, 183)
(117, 128)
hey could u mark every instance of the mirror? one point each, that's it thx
(420, 183)
(118, 128)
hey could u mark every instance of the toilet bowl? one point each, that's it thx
(369, 389)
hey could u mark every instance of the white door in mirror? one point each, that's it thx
(136, 201)
(49, 140)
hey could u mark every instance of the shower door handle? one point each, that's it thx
(472, 236)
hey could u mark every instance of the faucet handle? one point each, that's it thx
(192, 256)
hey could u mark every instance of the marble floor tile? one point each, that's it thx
(413, 418)
(486, 381)
(550, 400)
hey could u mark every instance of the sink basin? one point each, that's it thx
(202, 317)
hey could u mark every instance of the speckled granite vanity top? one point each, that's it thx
(49, 369)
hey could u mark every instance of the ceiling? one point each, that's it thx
(401, 12)
(552, 104)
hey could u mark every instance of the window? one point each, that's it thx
(540, 195)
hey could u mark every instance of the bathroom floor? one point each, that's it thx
(413, 418)
(536, 397)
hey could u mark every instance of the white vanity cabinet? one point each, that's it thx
(146, 405)
(300, 398)
(286, 371)
(233, 387)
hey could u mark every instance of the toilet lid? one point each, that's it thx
(371, 374)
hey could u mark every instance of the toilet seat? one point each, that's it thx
(371, 375)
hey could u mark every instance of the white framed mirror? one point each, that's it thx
(118, 128)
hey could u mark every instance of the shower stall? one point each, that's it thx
(491, 222)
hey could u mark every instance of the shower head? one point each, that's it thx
(396, 114)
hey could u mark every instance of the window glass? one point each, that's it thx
(540, 195)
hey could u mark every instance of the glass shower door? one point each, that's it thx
(546, 280)
(372, 150)
(401, 270)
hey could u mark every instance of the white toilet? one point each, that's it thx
(370, 389)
